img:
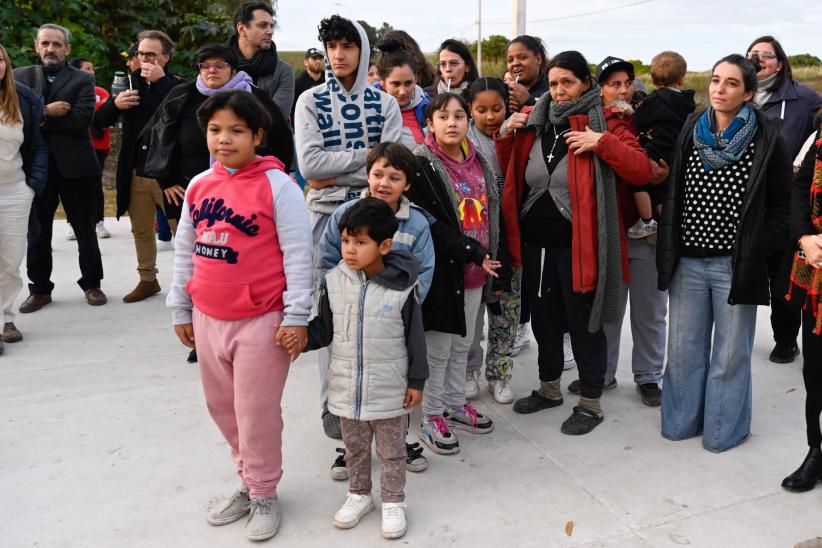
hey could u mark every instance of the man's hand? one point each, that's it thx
(185, 332)
(293, 339)
(57, 108)
(175, 194)
(413, 398)
(127, 99)
(151, 72)
(317, 184)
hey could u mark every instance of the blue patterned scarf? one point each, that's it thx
(718, 149)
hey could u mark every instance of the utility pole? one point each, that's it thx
(479, 37)
(518, 19)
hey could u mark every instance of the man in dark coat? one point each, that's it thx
(139, 195)
(73, 168)
(313, 75)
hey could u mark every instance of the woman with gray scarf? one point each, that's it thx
(562, 161)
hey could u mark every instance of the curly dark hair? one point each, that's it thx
(338, 28)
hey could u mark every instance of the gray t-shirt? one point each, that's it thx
(539, 181)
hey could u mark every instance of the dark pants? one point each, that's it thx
(555, 308)
(99, 199)
(77, 197)
(785, 321)
(389, 435)
(812, 373)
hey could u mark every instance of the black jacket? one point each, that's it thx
(763, 224)
(163, 131)
(801, 222)
(34, 152)
(132, 150)
(659, 120)
(67, 136)
(303, 83)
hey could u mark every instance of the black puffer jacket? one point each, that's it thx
(763, 223)
(34, 152)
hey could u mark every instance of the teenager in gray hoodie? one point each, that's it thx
(335, 125)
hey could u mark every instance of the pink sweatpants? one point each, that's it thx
(243, 373)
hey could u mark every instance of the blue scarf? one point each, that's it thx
(718, 149)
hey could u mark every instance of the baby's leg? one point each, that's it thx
(643, 205)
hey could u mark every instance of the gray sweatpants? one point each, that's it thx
(649, 306)
(447, 361)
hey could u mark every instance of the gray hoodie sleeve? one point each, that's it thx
(315, 161)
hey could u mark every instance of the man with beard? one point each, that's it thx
(73, 168)
(257, 53)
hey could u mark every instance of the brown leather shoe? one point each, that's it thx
(95, 297)
(142, 291)
(34, 302)
(11, 334)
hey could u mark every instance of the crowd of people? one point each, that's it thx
(436, 202)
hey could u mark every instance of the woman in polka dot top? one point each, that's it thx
(726, 210)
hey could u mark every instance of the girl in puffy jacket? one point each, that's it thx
(242, 273)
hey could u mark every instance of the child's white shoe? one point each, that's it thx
(355, 507)
(641, 229)
(393, 519)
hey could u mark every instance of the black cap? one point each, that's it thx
(131, 51)
(610, 64)
(313, 52)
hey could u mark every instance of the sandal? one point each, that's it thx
(581, 422)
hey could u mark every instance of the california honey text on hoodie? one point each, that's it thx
(334, 128)
(243, 246)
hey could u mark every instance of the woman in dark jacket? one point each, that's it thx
(780, 97)
(726, 210)
(806, 281)
(563, 160)
(178, 151)
(23, 172)
(526, 64)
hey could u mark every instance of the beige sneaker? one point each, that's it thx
(229, 511)
(264, 520)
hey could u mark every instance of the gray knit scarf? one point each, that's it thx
(607, 304)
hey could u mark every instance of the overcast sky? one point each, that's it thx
(701, 30)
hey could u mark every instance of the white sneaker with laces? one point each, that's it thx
(641, 229)
(355, 507)
(231, 509)
(163, 245)
(393, 519)
(264, 521)
(568, 352)
(471, 384)
(102, 232)
(522, 340)
(501, 391)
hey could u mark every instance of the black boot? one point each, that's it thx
(806, 476)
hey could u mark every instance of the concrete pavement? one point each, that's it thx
(105, 441)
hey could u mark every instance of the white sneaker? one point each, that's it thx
(163, 245)
(355, 507)
(568, 352)
(101, 230)
(471, 384)
(70, 234)
(264, 521)
(641, 229)
(522, 340)
(393, 519)
(501, 391)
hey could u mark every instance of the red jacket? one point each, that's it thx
(102, 143)
(618, 147)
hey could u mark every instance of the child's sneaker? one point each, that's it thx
(231, 510)
(522, 339)
(414, 461)
(641, 229)
(501, 391)
(393, 519)
(339, 471)
(471, 384)
(355, 507)
(264, 520)
(465, 417)
(434, 433)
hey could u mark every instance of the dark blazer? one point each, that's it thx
(764, 219)
(34, 152)
(67, 136)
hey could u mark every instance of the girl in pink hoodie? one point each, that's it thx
(242, 278)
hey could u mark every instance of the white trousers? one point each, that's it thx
(15, 205)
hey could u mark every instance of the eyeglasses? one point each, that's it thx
(147, 55)
(219, 65)
(452, 64)
(767, 55)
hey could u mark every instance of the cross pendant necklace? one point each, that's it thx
(556, 138)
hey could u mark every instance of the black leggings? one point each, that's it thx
(812, 373)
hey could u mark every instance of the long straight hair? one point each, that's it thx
(9, 103)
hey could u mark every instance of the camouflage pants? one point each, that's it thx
(390, 436)
(502, 330)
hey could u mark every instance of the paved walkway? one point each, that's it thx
(105, 441)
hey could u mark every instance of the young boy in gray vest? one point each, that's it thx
(370, 316)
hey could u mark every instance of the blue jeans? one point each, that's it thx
(707, 386)
(163, 228)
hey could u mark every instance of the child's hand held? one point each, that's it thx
(185, 332)
(413, 398)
